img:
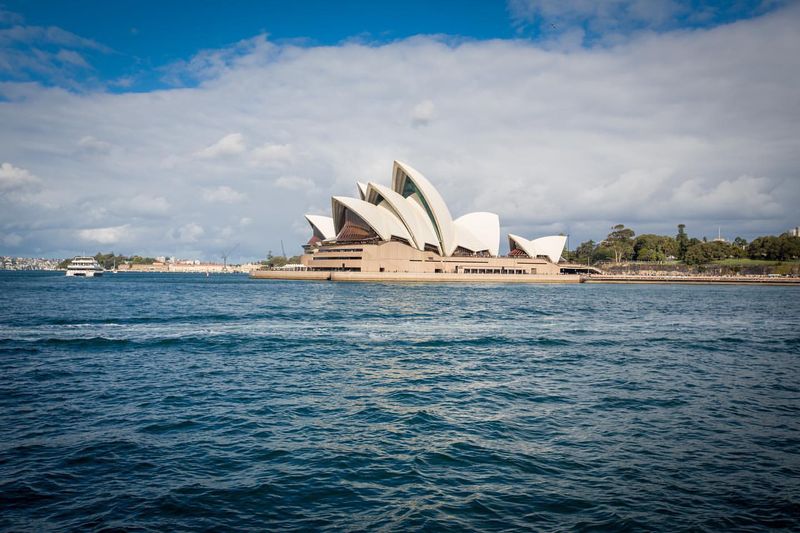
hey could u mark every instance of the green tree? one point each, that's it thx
(279, 261)
(696, 255)
(620, 242)
(649, 254)
(705, 252)
(649, 247)
(782, 248)
(584, 251)
(790, 247)
(683, 241)
(110, 260)
(602, 253)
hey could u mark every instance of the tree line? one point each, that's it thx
(110, 260)
(622, 244)
(276, 261)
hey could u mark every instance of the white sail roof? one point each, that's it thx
(323, 225)
(362, 190)
(407, 182)
(551, 246)
(409, 212)
(414, 211)
(381, 219)
(478, 232)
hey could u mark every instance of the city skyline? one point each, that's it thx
(561, 118)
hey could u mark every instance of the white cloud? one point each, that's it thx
(189, 233)
(610, 22)
(110, 235)
(231, 144)
(147, 205)
(273, 154)
(606, 13)
(14, 178)
(222, 194)
(71, 57)
(50, 53)
(91, 144)
(9, 17)
(209, 64)
(48, 35)
(294, 183)
(691, 126)
(744, 196)
(422, 113)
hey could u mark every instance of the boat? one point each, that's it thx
(85, 267)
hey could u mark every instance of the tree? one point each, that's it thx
(602, 253)
(783, 248)
(741, 243)
(790, 247)
(649, 247)
(698, 254)
(585, 251)
(620, 241)
(279, 261)
(683, 241)
(705, 252)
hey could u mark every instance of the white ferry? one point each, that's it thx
(85, 267)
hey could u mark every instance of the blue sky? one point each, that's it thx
(143, 36)
(180, 128)
(136, 40)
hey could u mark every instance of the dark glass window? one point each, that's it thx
(355, 229)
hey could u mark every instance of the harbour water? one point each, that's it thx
(184, 402)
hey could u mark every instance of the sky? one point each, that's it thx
(208, 128)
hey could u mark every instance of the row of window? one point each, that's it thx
(497, 271)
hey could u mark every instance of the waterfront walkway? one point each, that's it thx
(339, 275)
(693, 279)
(403, 277)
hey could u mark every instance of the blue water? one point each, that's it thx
(180, 402)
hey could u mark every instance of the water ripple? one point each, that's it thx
(162, 402)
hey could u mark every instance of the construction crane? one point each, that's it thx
(225, 254)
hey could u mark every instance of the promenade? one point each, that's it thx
(409, 277)
(691, 279)
(412, 277)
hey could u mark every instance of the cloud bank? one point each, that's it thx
(697, 127)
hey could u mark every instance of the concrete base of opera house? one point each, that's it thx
(399, 262)
(408, 277)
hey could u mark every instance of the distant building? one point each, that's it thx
(795, 232)
(28, 263)
(190, 266)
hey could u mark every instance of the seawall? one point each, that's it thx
(412, 277)
(693, 280)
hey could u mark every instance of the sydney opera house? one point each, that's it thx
(408, 228)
